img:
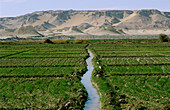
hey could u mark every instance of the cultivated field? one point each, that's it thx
(47, 76)
(42, 76)
(132, 76)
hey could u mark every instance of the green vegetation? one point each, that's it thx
(132, 75)
(48, 41)
(128, 74)
(163, 37)
(42, 76)
(38, 93)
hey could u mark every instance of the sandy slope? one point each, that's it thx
(99, 31)
(147, 32)
(92, 22)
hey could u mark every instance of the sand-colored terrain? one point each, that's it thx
(98, 22)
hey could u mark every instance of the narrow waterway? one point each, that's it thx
(93, 98)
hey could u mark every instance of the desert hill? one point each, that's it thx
(26, 30)
(93, 22)
(73, 31)
(103, 30)
(44, 26)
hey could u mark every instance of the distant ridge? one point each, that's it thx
(138, 19)
(44, 26)
(27, 30)
(90, 22)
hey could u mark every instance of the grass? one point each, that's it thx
(132, 75)
(38, 93)
(42, 76)
(128, 74)
(150, 91)
(40, 70)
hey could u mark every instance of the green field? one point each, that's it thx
(132, 76)
(48, 76)
(42, 76)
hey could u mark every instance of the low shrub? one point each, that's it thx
(163, 37)
(48, 41)
(60, 41)
(81, 41)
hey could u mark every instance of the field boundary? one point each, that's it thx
(14, 53)
(40, 66)
(139, 74)
(133, 56)
(32, 76)
(138, 64)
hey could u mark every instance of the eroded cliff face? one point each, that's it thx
(92, 22)
(126, 19)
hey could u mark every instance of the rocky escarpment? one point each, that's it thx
(91, 22)
(140, 19)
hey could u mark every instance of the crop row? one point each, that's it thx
(111, 70)
(42, 62)
(118, 52)
(126, 48)
(131, 52)
(134, 54)
(44, 51)
(136, 60)
(45, 46)
(49, 55)
(140, 45)
(57, 50)
(41, 93)
(7, 52)
(130, 49)
(41, 71)
(48, 50)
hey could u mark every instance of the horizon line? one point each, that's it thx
(84, 10)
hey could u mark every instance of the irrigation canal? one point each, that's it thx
(93, 98)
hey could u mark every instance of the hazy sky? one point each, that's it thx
(10, 8)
